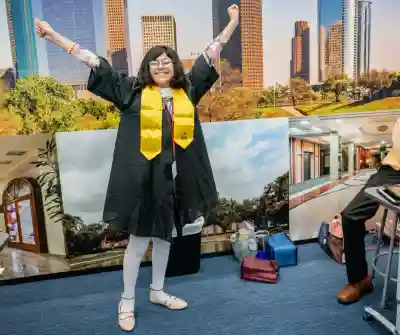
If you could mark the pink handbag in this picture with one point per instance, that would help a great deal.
(335, 239)
(335, 227)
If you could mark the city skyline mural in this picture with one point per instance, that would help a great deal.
(288, 60)
(316, 38)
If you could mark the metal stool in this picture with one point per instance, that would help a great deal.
(389, 253)
(369, 312)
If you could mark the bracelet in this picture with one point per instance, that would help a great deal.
(71, 48)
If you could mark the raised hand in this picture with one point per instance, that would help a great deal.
(233, 12)
(44, 30)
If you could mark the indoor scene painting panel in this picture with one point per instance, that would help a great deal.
(331, 158)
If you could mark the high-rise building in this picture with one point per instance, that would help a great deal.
(71, 18)
(334, 49)
(232, 51)
(11, 33)
(351, 19)
(300, 62)
(22, 35)
(75, 19)
(363, 38)
(158, 30)
(252, 43)
(116, 34)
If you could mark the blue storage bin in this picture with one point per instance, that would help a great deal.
(281, 249)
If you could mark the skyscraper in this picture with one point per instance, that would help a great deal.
(363, 38)
(22, 35)
(116, 34)
(11, 33)
(252, 43)
(71, 18)
(300, 62)
(232, 51)
(343, 37)
(158, 30)
(75, 19)
(334, 49)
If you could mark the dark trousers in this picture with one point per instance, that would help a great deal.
(359, 210)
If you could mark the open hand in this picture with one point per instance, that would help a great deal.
(44, 30)
(233, 12)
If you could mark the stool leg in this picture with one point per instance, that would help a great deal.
(389, 264)
(398, 289)
(380, 236)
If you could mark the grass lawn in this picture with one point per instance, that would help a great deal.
(349, 107)
(272, 112)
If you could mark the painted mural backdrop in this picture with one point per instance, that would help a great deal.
(251, 173)
(287, 59)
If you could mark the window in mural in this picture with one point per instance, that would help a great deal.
(18, 199)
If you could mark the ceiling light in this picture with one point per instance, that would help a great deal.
(295, 130)
(316, 129)
(304, 122)
(339, 121)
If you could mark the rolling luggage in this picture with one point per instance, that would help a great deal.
(281, 249)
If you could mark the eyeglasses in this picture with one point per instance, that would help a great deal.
(160, 63)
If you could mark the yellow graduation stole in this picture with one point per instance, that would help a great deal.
(151, 115)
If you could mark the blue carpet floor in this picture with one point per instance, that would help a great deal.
(302, 303)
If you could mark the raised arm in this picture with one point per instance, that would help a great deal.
(111, 85)
(213, 50)
(203, 74)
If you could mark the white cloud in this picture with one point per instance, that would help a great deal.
(235, 172)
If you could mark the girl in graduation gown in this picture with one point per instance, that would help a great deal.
(161, 175)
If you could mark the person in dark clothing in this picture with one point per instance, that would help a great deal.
(354, 216)
(161, 176)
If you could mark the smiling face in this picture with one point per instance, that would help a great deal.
(162, 70)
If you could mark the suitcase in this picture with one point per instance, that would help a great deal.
(281, 249)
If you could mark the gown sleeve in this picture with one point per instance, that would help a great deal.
(202, 77)
(111, 85)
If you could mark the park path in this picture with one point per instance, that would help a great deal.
(292, 110)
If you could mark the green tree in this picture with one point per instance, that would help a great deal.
(273, 203)
(10, 123)
(376, 80)
(395, 77)
(273, 96)
(43, 104)
(298, 88)
(231, 104)
(95, 107)
(337, 84)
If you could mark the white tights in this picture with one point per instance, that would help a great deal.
(134, 253)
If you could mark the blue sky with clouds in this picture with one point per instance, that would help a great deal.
(244, 155)
(194, 31)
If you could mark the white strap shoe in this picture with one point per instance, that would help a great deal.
(159, 297)
(126, 319)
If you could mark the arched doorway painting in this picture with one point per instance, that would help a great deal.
(23, 214)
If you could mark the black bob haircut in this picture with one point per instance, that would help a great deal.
(144, 77)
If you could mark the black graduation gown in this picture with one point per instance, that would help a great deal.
(142, 197)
